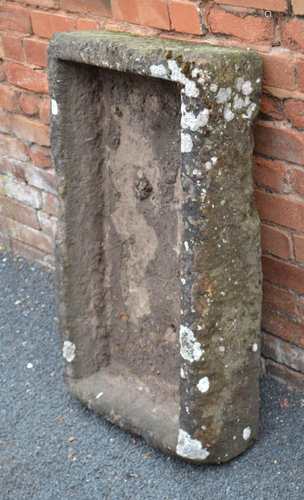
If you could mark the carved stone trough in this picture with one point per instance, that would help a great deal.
(158, 252)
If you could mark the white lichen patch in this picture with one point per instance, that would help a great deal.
(196, 73)
(240, 102)
(158, 71)
(190, 349)
(203, 385)
(190, 88)
(255, 347)
(239, 83)
(228, 113)
(223, 95)
(247, 88)
(213, 88)
(188, 447)
(69, 351)
(194, 122)
(186, 143)
(246, 433)
(54, 107)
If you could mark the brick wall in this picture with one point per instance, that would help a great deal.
(28, 202)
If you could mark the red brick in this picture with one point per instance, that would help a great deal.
(40, 156)
(28, 129)
(22, 192)
(46, 24)
(276, 242)
(28, 235)
(19, 212)
(13, 167)
(5, 122)
(50, 204)
(280, 142)
(8, 98)
(293, 33)
(249, 28)
(35, 52)
(283, 210)
(294, 379)
(283, 328)
(272, 174)
(299, 247)
(13, 148)
(48, 224)
(300, 311)
(273, 5)
(5, 243)
(273, 107)
(297, 180)
(283, 274)
(29, 104)
(298, 7)
(27, 78)
(300, 70)
(41, 179)
(279, 299)
(44, 110)
(185, 16)
(283, 352)
(32, 254)
(294, 111)
(12, 47)
(15, 18)
(152, 13)
(279, 70)
(123, 10)
(52, 4)
(87, 24)
(2, 72)
(93, 7)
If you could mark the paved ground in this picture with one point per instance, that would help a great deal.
(53, 448)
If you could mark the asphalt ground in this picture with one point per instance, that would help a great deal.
(51, 447)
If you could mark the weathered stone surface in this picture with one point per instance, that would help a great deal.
(158, 252)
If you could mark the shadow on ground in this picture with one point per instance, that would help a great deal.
(53, 448)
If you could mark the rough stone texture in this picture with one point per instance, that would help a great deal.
(152, 242)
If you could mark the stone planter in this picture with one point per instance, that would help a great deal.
(158, 251)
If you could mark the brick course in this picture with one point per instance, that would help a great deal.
(275, 28)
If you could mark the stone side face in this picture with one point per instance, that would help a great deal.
(196, 176)
(28, 196)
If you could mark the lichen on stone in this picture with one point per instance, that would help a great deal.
(188, 447)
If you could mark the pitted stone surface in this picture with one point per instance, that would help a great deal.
(158, 243)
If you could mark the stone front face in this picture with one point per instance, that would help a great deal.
(158, 250)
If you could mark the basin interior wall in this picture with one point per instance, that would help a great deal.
(129, 127)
